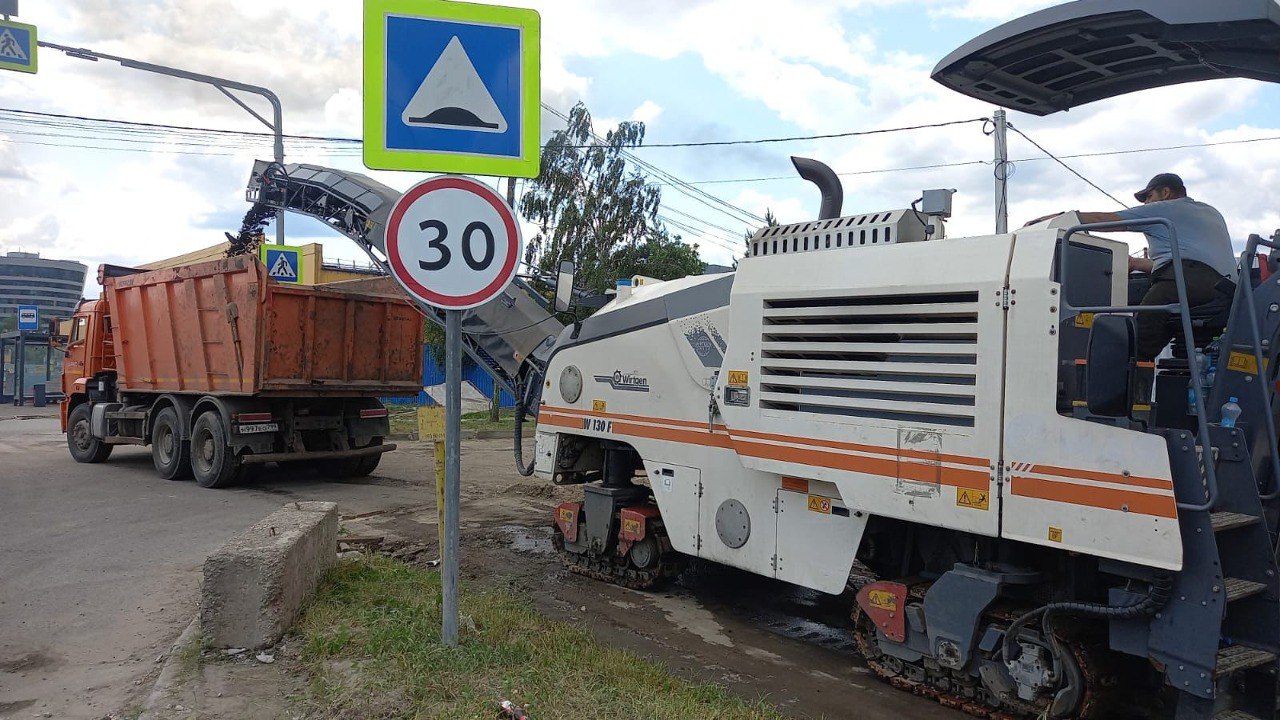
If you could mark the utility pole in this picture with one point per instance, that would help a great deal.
(1002, 172)
(222, 84)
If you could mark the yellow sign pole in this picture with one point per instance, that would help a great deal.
(431, 425)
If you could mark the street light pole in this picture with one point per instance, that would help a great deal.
(222, 84)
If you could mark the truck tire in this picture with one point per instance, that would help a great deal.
(83, 445)
(170, 455)
(356, 467)
(212, 461)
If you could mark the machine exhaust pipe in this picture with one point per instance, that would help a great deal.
(827, 181)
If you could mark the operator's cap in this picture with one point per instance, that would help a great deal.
(1163, 180)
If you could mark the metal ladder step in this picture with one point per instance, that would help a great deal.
(1235, 715)
(1240, 657)
(1238, 589)
(1224, 520)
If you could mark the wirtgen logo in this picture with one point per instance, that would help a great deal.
(625, 381)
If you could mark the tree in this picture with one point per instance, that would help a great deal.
(660, 256)
(592, 209)
(770, 220)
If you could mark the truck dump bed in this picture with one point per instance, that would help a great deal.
(224, 327)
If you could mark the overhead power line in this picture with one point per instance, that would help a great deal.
(161, 126)
(795, 138)
(737, 213)
(358, 141)
(1068, 167)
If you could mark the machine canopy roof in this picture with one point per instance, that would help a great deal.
(1089, 50)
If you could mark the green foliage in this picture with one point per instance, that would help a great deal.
(770, 220)
(658, 256)
(434, 339)
(591, 208)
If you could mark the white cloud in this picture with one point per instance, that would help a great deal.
(812, 64)
(648, 112)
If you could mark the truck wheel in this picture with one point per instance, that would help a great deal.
(169, 454)
(83, 445)
(212, 461)
(355, 467)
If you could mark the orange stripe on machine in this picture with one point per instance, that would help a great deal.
(1101, 476)
(884, 467)
(803, 451)
(1092, 496)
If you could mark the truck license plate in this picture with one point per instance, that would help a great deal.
(259, 428)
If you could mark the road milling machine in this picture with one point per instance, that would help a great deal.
(1048, 527)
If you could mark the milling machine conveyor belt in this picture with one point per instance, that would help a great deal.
(508, 336)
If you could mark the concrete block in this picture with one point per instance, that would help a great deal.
(256, 584)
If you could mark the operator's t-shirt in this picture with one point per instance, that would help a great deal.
(1202, 233)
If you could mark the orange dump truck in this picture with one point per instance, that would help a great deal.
(219, 368)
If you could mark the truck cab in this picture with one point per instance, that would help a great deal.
(89, 359)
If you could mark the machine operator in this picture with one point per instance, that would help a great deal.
(1204, 243)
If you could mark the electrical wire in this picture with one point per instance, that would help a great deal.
(700, 220)
(134, 123)
(160, 132)
(701, 196)
(358, 141)
(1068, 167)
(842, 174)
(794, 138)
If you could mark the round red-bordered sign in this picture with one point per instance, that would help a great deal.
(453, 242)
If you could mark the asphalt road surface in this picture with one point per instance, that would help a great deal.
(100, 564)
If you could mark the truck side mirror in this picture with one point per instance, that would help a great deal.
(564, 286)
(1108, 372)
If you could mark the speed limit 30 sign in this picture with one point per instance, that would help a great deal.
(453, 242)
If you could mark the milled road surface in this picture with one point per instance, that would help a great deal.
(101, 563)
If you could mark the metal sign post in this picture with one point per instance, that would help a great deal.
(452, 243)
(452, 473)
(28, 320)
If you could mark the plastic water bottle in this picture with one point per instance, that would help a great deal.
(1191, 385)
(1211, 365)
(1230, 413)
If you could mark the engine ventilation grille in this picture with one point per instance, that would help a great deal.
(882, 228)
(902, 358)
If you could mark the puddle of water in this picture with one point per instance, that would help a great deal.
(685, 613)
(528, 540)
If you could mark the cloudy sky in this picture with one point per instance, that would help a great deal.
(692, 70)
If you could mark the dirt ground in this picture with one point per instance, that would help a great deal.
(756, 636)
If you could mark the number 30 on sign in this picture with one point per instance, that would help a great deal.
(453, 242)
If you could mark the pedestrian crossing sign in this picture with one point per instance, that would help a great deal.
(284, 263)
(17, 46)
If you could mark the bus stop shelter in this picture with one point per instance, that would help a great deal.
(30, 368)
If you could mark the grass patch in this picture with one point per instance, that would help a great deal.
(370, 646)
(189, 657)
(480, 421)
(404, 421)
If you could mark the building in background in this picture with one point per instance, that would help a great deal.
(54, 286)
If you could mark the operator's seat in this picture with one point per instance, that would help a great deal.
(1208, 320)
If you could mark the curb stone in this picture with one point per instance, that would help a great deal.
(170, 675)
